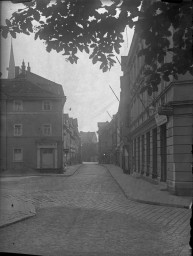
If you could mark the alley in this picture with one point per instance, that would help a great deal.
(88, 214)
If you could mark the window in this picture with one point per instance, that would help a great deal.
(46, 105)
(17, 105)
(17, 129)
(46, 129)
(17, 155)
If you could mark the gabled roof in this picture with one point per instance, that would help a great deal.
(24, 88)
(45, 84)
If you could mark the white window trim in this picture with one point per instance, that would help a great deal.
(17, 161)
(43, 125)
(15, 131)
(50, 103)
(14, 105)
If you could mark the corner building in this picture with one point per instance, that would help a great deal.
(160, 127)
(31, 123)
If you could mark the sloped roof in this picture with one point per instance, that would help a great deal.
(45, 84)
(25, 88)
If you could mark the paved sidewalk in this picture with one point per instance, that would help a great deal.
(12, 208)
(140, 190)
(70, 170)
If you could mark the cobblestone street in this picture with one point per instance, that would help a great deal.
(88, 214)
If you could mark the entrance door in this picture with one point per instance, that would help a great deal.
(138, 169)
(154, 153)
(163, 142)
(142, 154)
(47, 156)
(147, 153)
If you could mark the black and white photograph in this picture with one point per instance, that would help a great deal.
(96, 127)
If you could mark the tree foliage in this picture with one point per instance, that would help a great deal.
(70, 26)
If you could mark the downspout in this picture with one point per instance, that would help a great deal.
(6, 134)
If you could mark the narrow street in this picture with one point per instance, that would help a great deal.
(88, 214)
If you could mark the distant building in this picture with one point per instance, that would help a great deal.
(31, 121)
(71, 141)
(105, 143)
(89, 147)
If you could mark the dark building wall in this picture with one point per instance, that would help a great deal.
(89, 152)
(32, 118)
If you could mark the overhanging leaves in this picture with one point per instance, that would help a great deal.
(71, 26)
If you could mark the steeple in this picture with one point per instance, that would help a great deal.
(11, 68)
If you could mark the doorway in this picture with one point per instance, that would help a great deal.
(163, 145)
(154, 154)
(147, 153)
(47, 157)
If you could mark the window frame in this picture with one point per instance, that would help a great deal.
(46, 103)
(17, 161)
(14, 106)
(14, 130)
(43, 130)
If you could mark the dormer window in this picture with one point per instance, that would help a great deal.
(18, 105)
(46, 106)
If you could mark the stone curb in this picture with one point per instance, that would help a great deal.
(42, 175)
(32, 214)
(76, 169)
(145, 201)
(18, 220)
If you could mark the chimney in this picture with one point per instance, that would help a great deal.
(23, 67)
(17, 71)
(28, 68)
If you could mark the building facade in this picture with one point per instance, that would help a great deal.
(158, 129)
(89, 146)
(105, 146)
(71, 141)
(31, 122)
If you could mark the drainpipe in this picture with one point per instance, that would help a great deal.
(6, 134)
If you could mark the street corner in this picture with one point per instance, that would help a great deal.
(71, 169)
(14, 209)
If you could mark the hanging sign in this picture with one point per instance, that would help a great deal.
(160, 119)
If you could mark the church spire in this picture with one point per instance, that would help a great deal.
(11, 69)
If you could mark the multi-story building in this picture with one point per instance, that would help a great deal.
(89, 146)
(31, 122)
(71, 142)
(105, 146)
(158, 128)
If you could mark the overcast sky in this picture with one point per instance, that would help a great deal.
(85, 85)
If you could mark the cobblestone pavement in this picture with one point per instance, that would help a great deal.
(87, 214)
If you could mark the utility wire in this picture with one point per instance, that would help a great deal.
(114, 93)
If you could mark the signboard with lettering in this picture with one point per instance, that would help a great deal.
(160, 119)
(165, 110)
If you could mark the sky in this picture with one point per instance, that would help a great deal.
(86, 87)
